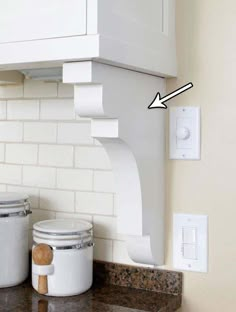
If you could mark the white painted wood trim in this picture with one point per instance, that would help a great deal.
(55, 52)
(48, 53)
(134, 138)
(92, 17)
(142, 59)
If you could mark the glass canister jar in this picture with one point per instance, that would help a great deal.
(71, 270)
(14, 225)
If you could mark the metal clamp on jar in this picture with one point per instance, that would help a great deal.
(14, 224)
(69, 270)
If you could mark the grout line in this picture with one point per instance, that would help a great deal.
(57, 189)
(69, 168)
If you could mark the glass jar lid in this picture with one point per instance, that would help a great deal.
(64, 233)
(63, 226)
(14, 204)
(12, 198)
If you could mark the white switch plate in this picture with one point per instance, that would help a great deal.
(184, 121)
(190, 242)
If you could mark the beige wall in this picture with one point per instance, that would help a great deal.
(206, 41)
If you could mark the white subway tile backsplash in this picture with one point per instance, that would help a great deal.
(94, 203)
(48, 153)
(105, 227)
(56, 155)
(10, 174)
(57, 109)
(2, 152)
(3, 110)
(63, 215)
(103, 249)
(11, 92)
(40, 132)
(23, 109)
(21, 153)
(74, 133)
(65, 90)
(11, 131)
(57, 200)
(104, 181)
(33, 193)
(39, 89)
(73, 179)
(91, 157)
(39, 176)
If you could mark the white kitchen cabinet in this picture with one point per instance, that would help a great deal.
(32, 20)
(134, 34)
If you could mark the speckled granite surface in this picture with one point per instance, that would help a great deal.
(169, 282)
(104, 297)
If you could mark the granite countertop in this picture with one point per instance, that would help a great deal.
(111, 292)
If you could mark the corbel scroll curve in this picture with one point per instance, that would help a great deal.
(117, 99)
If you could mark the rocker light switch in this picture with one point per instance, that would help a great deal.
(189, 235)
(190, 251)
(184, 133)
(190, 242)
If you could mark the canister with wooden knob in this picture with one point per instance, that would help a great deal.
(71, 240)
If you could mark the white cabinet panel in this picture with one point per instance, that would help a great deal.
(37, 19)
(134, 34)
(138, 32)
(132, 21)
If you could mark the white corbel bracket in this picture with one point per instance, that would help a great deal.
(134, 137)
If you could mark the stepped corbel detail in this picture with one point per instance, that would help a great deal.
(116, 100)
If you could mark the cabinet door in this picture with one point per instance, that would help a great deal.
(22, 20)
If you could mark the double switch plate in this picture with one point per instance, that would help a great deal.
(190, 242)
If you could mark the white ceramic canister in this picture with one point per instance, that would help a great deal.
(14, 225)
(71, 271)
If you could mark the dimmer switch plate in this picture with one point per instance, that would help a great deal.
(190, 242)
(184, 142)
